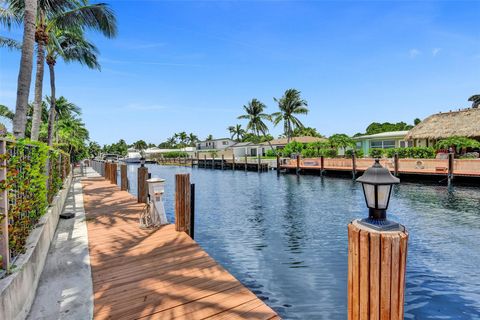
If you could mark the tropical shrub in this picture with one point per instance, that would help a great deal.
(270, 153)
(175, 154)
(376, 153)
(358, 153)
(457, 142)
(329, 153)
(412, 152)
(26, 183)
(292, 147)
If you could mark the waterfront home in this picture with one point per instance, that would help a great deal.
(157, 152)
(215, 144)
(384, 140)
(463, 122)
(254, 149)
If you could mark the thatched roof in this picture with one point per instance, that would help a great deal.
(464, 123)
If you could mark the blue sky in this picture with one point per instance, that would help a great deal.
(191, 65)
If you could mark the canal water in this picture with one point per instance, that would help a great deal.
(285, 238)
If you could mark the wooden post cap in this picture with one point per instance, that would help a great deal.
(376, 272)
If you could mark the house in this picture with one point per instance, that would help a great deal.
(215, 144)
(463, 123)
(384, 140)
(251, 149)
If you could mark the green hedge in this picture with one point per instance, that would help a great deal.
(358, 153)
(412, 152)
(175, 154)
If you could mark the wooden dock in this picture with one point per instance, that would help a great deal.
(155, 274)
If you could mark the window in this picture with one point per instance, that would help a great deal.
(359, 144)
(382, 144)
(225, 143)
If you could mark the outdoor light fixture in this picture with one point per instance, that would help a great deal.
(377, 183)
(142, 162)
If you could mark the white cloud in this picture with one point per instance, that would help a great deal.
(413, 53)
(436, 51)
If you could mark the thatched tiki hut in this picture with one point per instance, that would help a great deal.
(464, 123)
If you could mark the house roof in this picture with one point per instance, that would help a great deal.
(389, 134)
(464, 123)
(214, 140)
(241, 144)
(284, 141)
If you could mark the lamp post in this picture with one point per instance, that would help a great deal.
(142, 162)
(377, 183)
(377, 253)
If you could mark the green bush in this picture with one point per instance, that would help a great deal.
(376, 153)
(270, 153)
(457, 142)
(358, 153)
(175, 154)
(292, 147)
(329, 153)
(412, 152)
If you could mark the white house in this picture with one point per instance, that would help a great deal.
(215, 144)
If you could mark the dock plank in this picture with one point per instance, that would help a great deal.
(155, 274)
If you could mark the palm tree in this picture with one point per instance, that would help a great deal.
(236, 131)
(290, 104)
(183, 138)
(26, 65)
(63, 14)
(70, 45)
(6, 113)
(8, 18)
(192, 139)
(254, 113)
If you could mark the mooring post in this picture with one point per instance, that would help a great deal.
(4, 248)
(246, 162)
(223, 159)
(114, 173)
(233, 161)
(451, 161)
(192, 210)
(395, 164)
(204, 161)
(354, 165)
(322, 164)
(123, 177)
(182, 202)
(213, 161)
(142, 188)
(376, 272)
(278, 164)
(259, 162)
(298, 164)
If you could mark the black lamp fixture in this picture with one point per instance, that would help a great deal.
(377, 183)
(142, 162)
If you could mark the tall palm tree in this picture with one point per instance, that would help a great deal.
(254, 113)
(290, 105)
(63, 14)
(183, 138)
(192, 139)
(26, 66)
(236, 132)
(8, 18)
(70, 45)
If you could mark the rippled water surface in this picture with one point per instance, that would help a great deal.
(285, 238)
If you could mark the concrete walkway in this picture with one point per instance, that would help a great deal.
(65, 288)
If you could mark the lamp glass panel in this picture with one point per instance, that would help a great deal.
(383, 195)
(369, 190)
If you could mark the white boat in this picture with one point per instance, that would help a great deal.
(133, 157)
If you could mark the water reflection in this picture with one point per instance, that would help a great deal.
(285, 238)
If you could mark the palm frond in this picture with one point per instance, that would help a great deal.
(10, 43)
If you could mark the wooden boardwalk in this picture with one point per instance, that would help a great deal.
(162, 274)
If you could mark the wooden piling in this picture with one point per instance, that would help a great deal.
(278, 164)
(204, 161)
(182, 202)
(114, 174)
(223, 160)
(233, 162)
(354, 165)
(142, 188)
(4, 249)
(246, 166)
(322, 164)
(376, 273)
(213, 161)
(259, 162)
(395, 164)
(123, 177)
(298, 164)
(451, 161)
